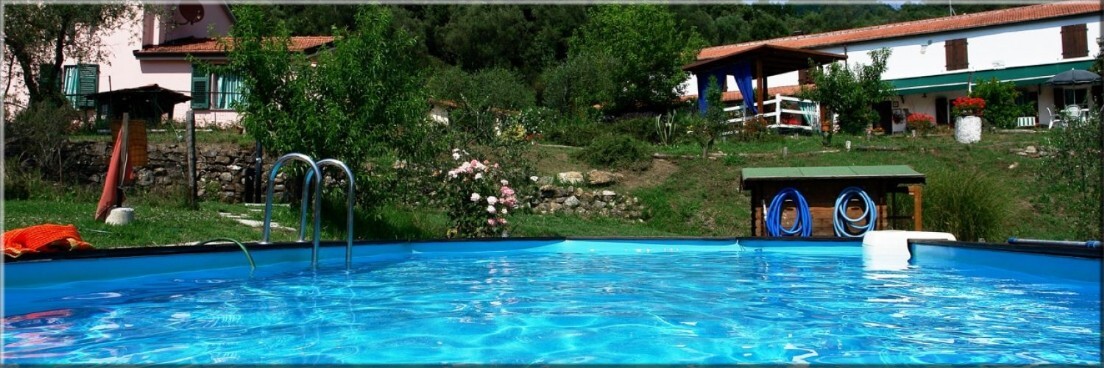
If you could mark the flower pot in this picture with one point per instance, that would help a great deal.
(967, 129)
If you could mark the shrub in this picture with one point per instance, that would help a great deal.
(617, 152)
(1073, 172)
(477, 198)
(999, 104)
(755, 130)
(35, 136)
(965, 203)
(706, 129)
(639, 126)
(572, 131)
(920, 123)
(667, 128)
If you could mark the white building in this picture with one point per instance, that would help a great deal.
(154, 49)
(936, 60)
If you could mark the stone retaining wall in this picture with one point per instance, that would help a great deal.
(221, 169)
(577, 201)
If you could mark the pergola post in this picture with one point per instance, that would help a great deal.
(761, 85)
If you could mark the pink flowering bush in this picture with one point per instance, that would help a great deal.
(478, 198)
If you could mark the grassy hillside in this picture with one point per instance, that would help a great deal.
(686, 195)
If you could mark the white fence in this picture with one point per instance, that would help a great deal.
(778, 112)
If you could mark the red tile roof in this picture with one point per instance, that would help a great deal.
(935, 25)
(736, 96)
(211, 46)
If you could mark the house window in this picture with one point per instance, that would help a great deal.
(80, 81)
(217, 91)
(956, 54)
(1075, 41)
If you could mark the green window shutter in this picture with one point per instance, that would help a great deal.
(88, 83)
(201, 88)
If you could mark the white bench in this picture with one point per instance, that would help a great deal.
(1025, 122)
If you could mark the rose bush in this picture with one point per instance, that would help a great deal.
(477, 197)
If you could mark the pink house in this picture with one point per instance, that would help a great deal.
(153, 50)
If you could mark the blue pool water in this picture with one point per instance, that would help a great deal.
(572, 302)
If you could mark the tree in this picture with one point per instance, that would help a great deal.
(651, 46)
(851, 91)
(576, 85)
(482, 98)
(359, 101)
(41, 37)
(708, 127)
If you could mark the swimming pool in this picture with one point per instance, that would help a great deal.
(554, 301)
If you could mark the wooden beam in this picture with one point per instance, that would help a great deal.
(917, 191)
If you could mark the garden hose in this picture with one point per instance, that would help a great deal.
(844, 224)
(802, 225)
(252, 266)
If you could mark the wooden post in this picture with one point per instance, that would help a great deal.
(190, 142)
(917, 191)
(761, 84)
(754, 198)
(125, 151)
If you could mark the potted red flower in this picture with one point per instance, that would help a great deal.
(968, 106)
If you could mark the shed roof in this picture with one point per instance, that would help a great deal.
(775, 59)
(901, 173)
(147, 91)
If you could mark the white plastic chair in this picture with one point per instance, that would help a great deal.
(1054, 119)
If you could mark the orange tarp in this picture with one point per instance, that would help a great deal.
(48, 238)
(111, 195)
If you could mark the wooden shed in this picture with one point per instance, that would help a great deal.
(820, 186)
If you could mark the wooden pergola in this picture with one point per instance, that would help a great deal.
(765, 60)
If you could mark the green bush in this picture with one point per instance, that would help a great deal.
(638, 126)
(965, 203)
(572, 131)
(1001, 109)
(36, 135)
(621, 152)
(1073, 171)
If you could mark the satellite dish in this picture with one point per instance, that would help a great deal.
(192, 13)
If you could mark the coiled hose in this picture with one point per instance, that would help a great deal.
(846, 226)
(802, 225)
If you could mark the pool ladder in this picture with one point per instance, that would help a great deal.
(313, 176)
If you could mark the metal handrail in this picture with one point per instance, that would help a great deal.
(350, 196)
(317, 201)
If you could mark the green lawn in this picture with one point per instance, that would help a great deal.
(685, 196)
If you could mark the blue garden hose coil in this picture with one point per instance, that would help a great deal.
(845, 226)
(802, 225)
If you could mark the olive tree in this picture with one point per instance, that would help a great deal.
(39, 37)
(851, 91)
